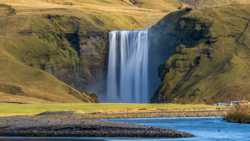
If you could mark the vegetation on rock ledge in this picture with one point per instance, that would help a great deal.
(211, 61)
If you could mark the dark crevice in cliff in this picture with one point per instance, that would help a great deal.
(240, 38)
(192, 31)
(11, 89)
(74, 41)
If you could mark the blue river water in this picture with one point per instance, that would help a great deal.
(205, 129)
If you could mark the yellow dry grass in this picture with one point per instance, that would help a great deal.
(7, 109)
(148, 12)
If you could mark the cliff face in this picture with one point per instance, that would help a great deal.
(66, 39)
(58, 45)
(210, 62)
(93, 58)
(79, 56)
(203, 53)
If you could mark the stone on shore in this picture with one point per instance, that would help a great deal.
(63, 124)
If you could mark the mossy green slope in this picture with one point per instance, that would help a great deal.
(19, 80)
(211, 62)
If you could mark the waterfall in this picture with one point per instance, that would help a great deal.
(127, 78)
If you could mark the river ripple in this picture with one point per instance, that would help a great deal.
(205, 129)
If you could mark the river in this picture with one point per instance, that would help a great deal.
(205, 129)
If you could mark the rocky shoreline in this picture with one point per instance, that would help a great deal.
(45, 139)
(67, 124)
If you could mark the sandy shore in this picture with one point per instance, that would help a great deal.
(69, 124)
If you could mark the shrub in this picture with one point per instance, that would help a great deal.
(68, 3)
(7, 9)
(240, 114)
(94, 97)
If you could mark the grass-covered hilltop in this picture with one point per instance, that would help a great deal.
(56, 50)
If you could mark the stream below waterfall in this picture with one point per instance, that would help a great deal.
(205, 129)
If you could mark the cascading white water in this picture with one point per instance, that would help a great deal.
(127, 79)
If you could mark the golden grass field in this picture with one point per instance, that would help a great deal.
(10, 109)
(116, 13)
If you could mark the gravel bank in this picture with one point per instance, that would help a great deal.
(67, 124)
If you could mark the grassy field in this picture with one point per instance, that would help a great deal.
(7, 109)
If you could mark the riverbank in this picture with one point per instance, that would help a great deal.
(70, 124)
(115, 110)
(45, 139)
(204, 129)
(86, 120)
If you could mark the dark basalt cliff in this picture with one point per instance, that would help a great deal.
(84, 65)
(78, 57)
(210, 60)
(57, 44)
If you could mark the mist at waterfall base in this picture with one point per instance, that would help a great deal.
(128, 68)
